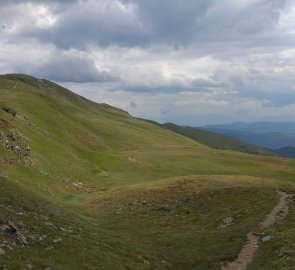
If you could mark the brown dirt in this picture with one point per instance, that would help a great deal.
(248, 251)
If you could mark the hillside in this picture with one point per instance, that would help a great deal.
(213, 140)
(83, 178)
(288, 151)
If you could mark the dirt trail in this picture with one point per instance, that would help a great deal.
(247, 253)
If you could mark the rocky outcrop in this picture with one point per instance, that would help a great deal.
(4, 123)
(10, 111)
(18, 237)
(16, 145)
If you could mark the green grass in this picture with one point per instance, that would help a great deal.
(181, 217)
(88, 160)
(83, 246)
(213, 140)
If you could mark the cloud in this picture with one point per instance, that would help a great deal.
(187, 108)
(171, 21)
(144, 23)
(71, 67)
(15, 2)
(106, 23)
(166, 60)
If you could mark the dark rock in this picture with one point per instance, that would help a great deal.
(4, 123)
(10, 111)
(187, 200)
(162, 209)
(12, 230)
(28, 150)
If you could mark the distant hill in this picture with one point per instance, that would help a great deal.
(213, 140)
(262, 134)
(288, 151)
(270, 140)
(253, 128)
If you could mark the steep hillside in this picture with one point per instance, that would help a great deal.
(213, 140)
(84, 178)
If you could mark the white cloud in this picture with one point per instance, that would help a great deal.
(186, 108)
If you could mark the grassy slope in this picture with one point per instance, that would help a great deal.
(212, 139)
(41, 223)
(181, 217)
(119, 160)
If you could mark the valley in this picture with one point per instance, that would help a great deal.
(88, 186)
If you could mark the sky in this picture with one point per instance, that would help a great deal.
(191, 62)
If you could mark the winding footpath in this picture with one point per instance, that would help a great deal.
(247, 253)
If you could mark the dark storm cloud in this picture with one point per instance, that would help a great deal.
(13, 2)
(143, 23)
(80, 24)
(62, 67)
(171, 21)
(107, 23)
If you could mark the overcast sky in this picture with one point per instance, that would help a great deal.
(186, 61)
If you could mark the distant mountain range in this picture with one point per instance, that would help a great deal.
(288, 151)
(254, 128)
(278, 137)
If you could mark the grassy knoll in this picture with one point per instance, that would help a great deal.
(185, 219)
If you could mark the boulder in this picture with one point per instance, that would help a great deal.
(266, 239)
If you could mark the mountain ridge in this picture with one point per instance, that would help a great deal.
(268, 135)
